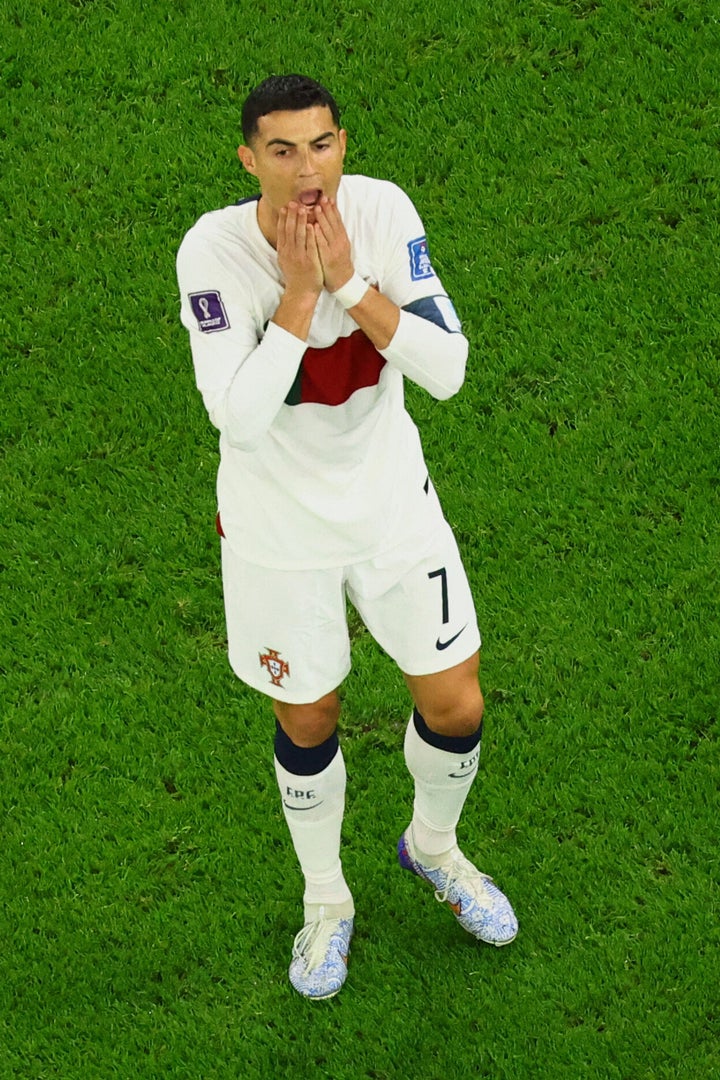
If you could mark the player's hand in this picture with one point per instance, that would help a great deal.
(333, 245)
(297, 251)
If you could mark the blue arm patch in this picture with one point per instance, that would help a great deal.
(420, 265)
(438, 310)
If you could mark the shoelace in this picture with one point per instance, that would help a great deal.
(311, 943)
(462, 871)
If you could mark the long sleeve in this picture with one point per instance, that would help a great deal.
(429, 354)
(244, 364)
(247, 408)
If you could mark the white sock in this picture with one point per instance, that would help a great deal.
(443, 779)
(313, 807)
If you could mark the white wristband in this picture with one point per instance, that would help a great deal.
(352, 292)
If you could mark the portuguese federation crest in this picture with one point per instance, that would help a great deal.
(277, 667)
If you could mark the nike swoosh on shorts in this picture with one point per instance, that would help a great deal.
(446, 644)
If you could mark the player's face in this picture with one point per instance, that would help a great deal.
(297, 157)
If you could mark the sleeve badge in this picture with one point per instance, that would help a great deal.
(209, 311)
(420, 265)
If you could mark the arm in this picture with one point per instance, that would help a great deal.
(244, 382)
(422, 343)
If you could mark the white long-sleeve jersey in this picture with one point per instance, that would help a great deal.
(320, 463)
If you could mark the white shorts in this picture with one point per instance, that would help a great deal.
(287, 629)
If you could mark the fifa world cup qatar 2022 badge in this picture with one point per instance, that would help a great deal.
(209, 310)
(277, 667)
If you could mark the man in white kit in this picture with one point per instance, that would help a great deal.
(306, 306)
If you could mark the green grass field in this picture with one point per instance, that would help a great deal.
(564, 157)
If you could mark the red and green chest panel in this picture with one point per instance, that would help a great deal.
(330, 376)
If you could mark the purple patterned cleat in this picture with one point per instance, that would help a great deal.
(320, 954)
(478, 904)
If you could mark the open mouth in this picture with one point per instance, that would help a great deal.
(311, 197)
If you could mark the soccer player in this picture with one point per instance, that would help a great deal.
(306, 306)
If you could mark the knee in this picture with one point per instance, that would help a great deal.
(451, 702)
(459, 716)
(311, 724)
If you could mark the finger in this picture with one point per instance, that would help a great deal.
(321, 243)
(289, 216)
(333, 230)
(300, 222)
(296, 224)
(332, 213)
(323, 229)
(324, 214)
(282, 226)
(313, 251)
(311, 241)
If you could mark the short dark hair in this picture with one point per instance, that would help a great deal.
(280, 92)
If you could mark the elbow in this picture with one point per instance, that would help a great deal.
(245, 445)
(238, 432)
(450, 386)
(444, 393)
(453, 373)
(244, 436)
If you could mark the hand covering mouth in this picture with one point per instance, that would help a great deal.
(310, 197)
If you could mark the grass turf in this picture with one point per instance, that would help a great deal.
(564, 159)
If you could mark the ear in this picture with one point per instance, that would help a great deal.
(342, 136)
(248, 159)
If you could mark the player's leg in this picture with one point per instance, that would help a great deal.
(311, 776)
(426, 621)
(302, 616)
(442, 751)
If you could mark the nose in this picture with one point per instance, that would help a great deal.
(306, 164)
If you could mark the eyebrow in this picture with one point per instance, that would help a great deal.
(286, 142)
